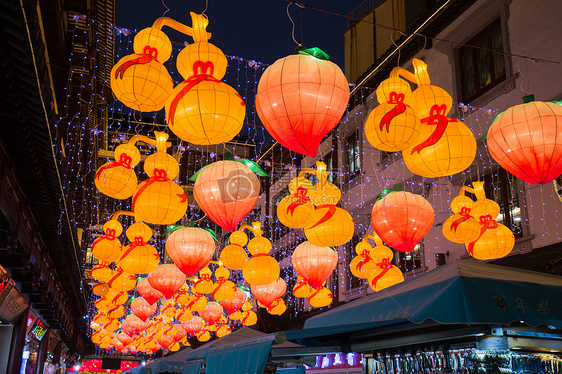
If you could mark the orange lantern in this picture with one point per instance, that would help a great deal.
(167, 278)
(100, 289)
(142, 309)
(226, 191)
(159, 200)
(138, 257)
(495, 240)
(249, 318)
(302, 288)
(261, 269)
(301, 98)
(270, 296)
(445, 146)
(106, 248)
(223, 288)
(193, 325)
(117, 179)
(133, 325)
(384, 273)
(212, 313)
(393, 125)
(401, 219)
(233, 305)
(363, 264)
(297, 209)
(204, 285)
(203, 109)
(233, 256)
(124, 338)
(190, 248)
(524, 141)
(149, 293)
(121, 280)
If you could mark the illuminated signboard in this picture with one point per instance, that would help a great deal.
(12, 303)
(38, 330)
(6, 285)
(350, 360)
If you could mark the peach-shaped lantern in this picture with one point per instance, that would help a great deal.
(270, 295)
(193, 325)
(234, 304)
(212, 313)
(315, 264)
(393, 125)
(117, 179)
(107, 247)
(524, 141)
(133, 325)
(401, 219)
(138, 257)
(226, 191)
(167, 278)
(301, 98)
(140, 81)
(190, 248)
(159, 200)
(150, 294)
(142, 309)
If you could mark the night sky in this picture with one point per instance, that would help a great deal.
(252, 29)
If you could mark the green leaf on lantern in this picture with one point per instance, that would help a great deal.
(559, 102)
(173, 228)
(254, 166)
(194, 176)
(386, 191)
(213, 234)
(315, 52)
(333, 249)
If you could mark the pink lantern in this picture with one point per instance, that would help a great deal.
(142, 309)
(133, 325)
(226, 191)
(191, 249)
(401, 219)
(150, 294)
(315, 264)
(193, 325)
(167, 278)
(212, 313)
(269, 294)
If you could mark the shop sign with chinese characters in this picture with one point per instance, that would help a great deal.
(337, 361)
(12, 303)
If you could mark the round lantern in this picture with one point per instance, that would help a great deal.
(300, 99)
(140, 81)
(393, 125)
(107, 247)
(315, 264)
(142, 309)
(138, 257)
(495, 241)
(461, 228)
(167, 278)
(117, 179)
(159, 200)
(100, 289)
(233, 257)
(150, 294)
(333, 227)
(524, 141)
(401, 219)
(226, 191)
(212, 313)
(270, 295)
(190, 248)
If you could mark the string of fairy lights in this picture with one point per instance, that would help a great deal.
(78, 134)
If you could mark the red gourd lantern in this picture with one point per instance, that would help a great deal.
(138, 257)
(167, 278)
(301, 98)
(117, 179)
(212, 313)
(142, 309)
(107, 247)
(226, 191)
(270, 296)
(401, 219)
(150, 294)
(190, 249)
(524, 141)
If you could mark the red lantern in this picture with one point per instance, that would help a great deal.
(301, 98)
(270, 294)
(212, 313)
(226, 191)
(191, 249)
(193, 325)
(142, 309)
(525, 141)
(167, 278)
(315, 264)
(402, 219)
(150, 294)
(133, 325)
(233, 305)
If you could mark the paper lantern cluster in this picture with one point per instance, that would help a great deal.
(433, 145)
(474, 224)
(375, 265)
(313, 207)
(301, 98)
(202, 109)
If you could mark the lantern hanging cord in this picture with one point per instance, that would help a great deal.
(167, 9)
(293, 23)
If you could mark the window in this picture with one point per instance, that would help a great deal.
(354, 154)
(481, 68)
(331, 161)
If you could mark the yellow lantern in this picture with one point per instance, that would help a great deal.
(362, 265)
(117, 179)
(101, 272)
(333, 227)
(261, 269)
(100, 289)
(393, 125)
(139, 257)
(297, 210)
(249, 318)
(203, 109)
(223, 288)
(122, 281)
(159, 200)
(204, 285)
(302, 289)
(495, 240)
(107, 247)
(320, 297)
(384, 274)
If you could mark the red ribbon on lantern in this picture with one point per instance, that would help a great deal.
(398, 99)
(487, 222)
(329, 214)
(366, 258)
(160, 175)
(301, 199)
(385, 266)
(465, 213)
(148, 55)
(436, 118)
(124, 160)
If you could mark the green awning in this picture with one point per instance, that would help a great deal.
(241, 358)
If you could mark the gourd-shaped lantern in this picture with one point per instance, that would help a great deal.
(302, 289)
(167, 278)
(332, 226)
(223, 288)
(203, 109)
(138, 257)
(159, 200)
(315, 264)
(212, 313)
(142, 309)
(227, 190)
(261, 268)
(117, 179)
(100, 289)
(233, 256)
(393, 125)
(401, 219)
(190, 248)
(301, 98)
(107, 247)
(149, 293)
(297, 210)
(122, 281)
(270, 296)
(524, 141)
(204, 285)
(234, 304)
(384, 274)
(363, 264)
(445, 145)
